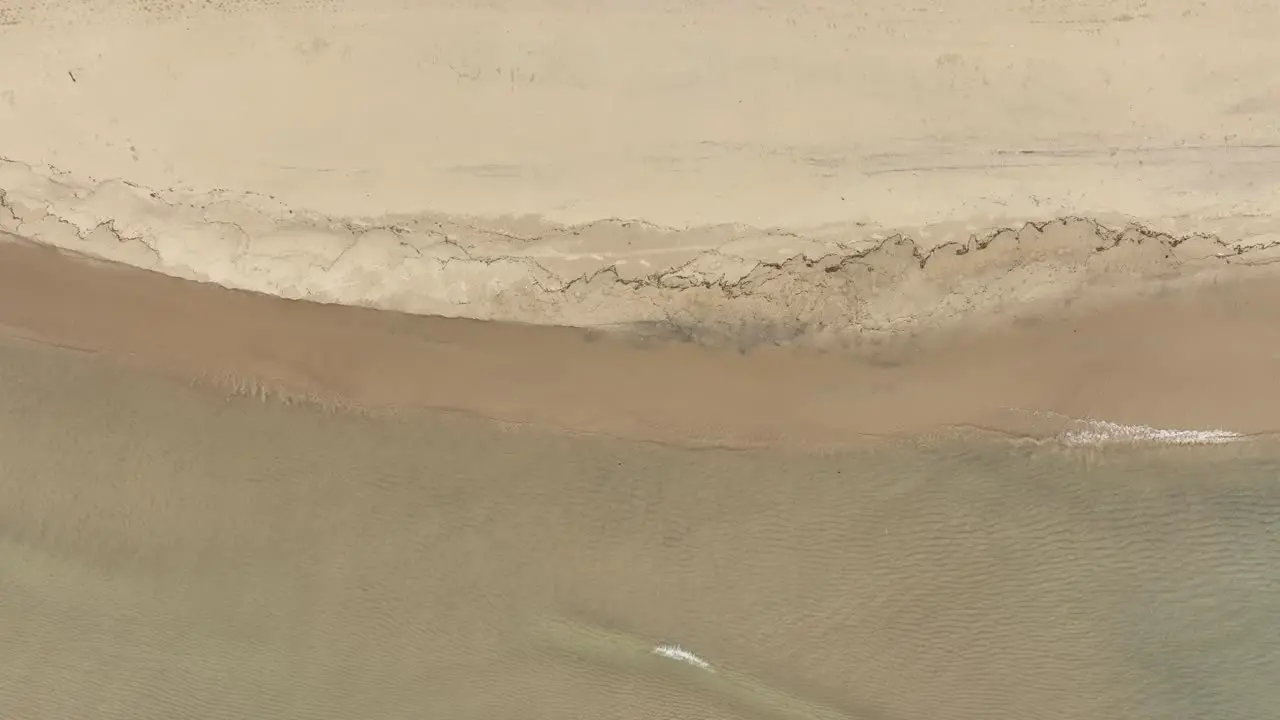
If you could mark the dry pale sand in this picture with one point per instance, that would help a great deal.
(670, 360)
(712, 164)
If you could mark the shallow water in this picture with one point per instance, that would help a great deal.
(167, 552)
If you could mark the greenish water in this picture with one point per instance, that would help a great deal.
(169, 553)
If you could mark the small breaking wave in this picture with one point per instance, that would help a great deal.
(1090, 432)
(1101, 432)
(675, 652)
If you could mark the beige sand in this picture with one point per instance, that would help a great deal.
(764, 113)
(745, 257)
(692, 164)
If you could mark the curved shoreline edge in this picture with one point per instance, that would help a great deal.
(724, 284)
(1202, 357)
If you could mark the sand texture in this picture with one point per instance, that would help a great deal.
(802, 170)
(715, 283)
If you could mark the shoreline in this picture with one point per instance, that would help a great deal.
(1198, 358)
(832, 287)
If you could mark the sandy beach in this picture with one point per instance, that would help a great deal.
(718, 360)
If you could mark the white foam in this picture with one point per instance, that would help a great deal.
(675, 652)
(1088, 431)
(1100, 432)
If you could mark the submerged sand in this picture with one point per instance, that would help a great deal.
(169, 551)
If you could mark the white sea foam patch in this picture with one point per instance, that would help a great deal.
(1101, 432)
(675, 652)
(1088, 431)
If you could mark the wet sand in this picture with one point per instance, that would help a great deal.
(1204, 358)
(752, 335)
